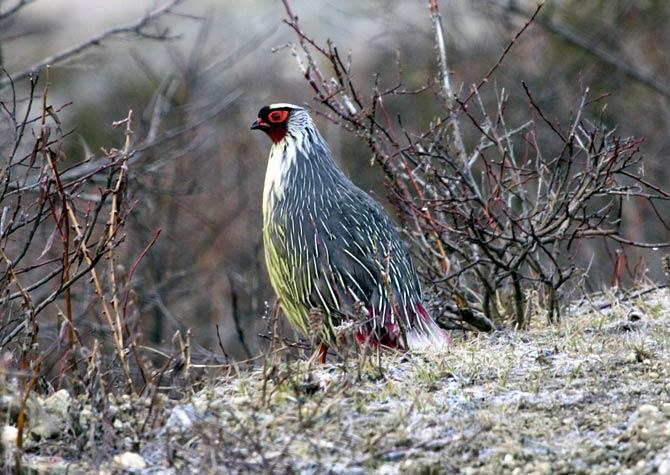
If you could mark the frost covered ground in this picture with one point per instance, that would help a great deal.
(590, 395)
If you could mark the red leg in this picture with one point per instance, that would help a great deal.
(323, 351)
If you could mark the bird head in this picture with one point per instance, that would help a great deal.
(277, 120)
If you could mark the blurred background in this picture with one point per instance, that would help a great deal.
(196, 77)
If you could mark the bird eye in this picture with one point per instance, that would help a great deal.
(278, 116)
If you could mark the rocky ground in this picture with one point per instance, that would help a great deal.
(590, 395)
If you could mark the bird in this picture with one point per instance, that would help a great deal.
(330, 249)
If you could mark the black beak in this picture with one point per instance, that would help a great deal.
(257, 124)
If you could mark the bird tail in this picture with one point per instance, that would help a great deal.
(425, 334)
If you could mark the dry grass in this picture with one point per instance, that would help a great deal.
(588, 395)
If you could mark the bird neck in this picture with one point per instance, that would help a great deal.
(300, 169)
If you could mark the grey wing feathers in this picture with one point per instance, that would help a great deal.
(361, 251)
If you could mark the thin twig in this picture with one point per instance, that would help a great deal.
(136, 27)
(591, 47)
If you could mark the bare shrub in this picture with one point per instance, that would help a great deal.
(71, 312)
(503, 222)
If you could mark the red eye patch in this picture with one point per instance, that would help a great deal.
(277, 117)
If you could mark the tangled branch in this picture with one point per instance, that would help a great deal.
(498, 228)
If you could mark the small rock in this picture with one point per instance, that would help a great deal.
(58, 403)
(646, 410)
(129, 461)
(580, 466)
(8, 436)
(508, 460)
(542, 468)
(183, 417)
(50, 415)
(664, 467)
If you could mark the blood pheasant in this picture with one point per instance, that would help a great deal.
(330, 248)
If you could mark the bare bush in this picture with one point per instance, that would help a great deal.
(70, 251)
(500, 224)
